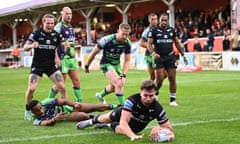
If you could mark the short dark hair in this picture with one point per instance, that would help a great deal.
(32, 104)
(148, 85)
(152, 14)
(163, 14)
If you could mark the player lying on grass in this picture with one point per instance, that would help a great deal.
(50, 111)
(130, 119)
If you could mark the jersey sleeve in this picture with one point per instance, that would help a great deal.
(58, 27)
(128, 47)
(145, 34)
(161, 115)
(129, 104)
(103, 42)
(151, 33)
(37, 122)
(32, 37)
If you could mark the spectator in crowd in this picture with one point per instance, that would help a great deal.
(236, 40)
(16, 56)
(197, 46)
(210, 40)
(226, 41)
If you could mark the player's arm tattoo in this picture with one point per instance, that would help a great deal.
(58, 77)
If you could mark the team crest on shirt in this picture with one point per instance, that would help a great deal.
(48, 42)
(141, 116)
(54, 39)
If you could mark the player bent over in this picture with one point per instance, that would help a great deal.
(138, 111)
(113, 46)
(50, 110)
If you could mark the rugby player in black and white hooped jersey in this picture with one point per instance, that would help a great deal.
(163, 37)
(44, 42)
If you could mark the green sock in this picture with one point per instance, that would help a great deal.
(78, 93)
(103, 92)
(120, 98)
(52, 93)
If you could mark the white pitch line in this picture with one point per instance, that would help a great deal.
(105, 131)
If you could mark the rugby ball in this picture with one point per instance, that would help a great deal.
(165, 135)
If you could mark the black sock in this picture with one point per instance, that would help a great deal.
(95, 119)
(172, 99)
(27, 107)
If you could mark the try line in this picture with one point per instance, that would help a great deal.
(105, 131)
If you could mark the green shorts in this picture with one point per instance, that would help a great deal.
(107, 67)
(149, 59)
(67, 109)
(68, 64)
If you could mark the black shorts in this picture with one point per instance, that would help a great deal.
(40, 70)
(166, 61)
(115, 117)
(116, 114)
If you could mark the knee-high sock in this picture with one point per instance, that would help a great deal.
(120, 98)
(52, 93)
(78, 93)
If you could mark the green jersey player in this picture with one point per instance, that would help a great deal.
(113, 46)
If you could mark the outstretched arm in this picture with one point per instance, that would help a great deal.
(123, 127)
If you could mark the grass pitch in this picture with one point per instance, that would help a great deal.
(208, 111)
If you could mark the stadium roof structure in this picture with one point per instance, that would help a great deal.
(32, 7)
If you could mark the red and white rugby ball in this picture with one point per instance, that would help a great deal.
(165, 135)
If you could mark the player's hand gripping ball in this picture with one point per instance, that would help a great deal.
(161, 135)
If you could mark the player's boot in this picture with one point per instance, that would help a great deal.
(84, 124)
(100, 98)
(173, 103)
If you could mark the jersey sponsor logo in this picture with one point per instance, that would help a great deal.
(128, 104)
(151, 110)
(48, 41)
(164, 41)
(168, 30)
(139, 119)
(49, 47)
(53, 34)
(41, 39)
